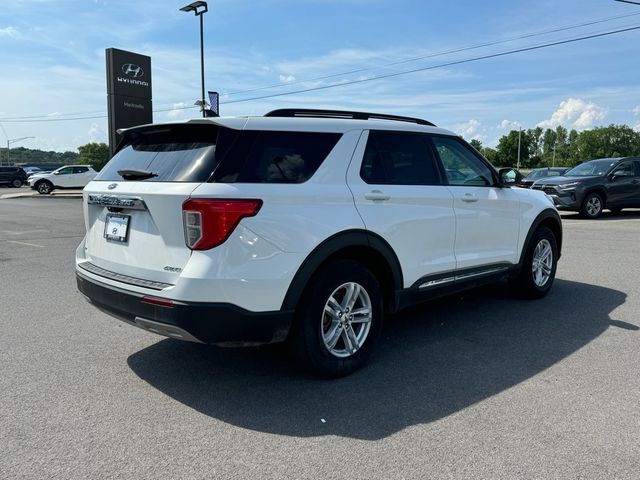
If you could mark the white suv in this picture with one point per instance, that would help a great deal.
(303, 225)
(69, 176)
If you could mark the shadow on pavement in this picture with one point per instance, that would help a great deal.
(431, 362)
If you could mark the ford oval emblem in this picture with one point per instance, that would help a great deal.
(112, 186)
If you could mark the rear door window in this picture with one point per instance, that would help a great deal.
(273, 156)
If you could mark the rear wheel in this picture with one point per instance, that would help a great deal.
(539, 265)
(338, 320)
(592, 205)
(44, 187)
(16, 183)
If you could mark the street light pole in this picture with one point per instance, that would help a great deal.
(199, 8)
(13, 140)
(519, 141)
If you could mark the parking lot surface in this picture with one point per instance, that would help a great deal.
(479, 385)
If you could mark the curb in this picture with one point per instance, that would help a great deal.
(54, 194)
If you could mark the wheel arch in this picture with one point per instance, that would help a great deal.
(365, 247)
(550, 218)
(600, 191)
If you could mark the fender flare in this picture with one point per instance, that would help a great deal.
(331, 247)
(546, 215)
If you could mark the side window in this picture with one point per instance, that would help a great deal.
(274, 157)
(637, 164)
(65, 171)
(80, 169)
(461, 164)
(396, 158)
(624, 169)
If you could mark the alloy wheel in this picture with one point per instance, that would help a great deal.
(346, 320)
(542, 262)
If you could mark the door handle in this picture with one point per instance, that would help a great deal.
(376, 195)
(469, 198)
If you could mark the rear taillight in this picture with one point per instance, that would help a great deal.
(208, 222)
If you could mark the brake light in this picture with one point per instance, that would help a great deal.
(208, 222)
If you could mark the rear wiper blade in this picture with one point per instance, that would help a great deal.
(136, 174)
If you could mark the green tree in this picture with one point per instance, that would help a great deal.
(507, 149)
(94, 154)
(603, 142)
(477, 144)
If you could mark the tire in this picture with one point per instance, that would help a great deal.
(539, 265)
(327, 339)
(44, 187)
(16, 183)
(592, 206)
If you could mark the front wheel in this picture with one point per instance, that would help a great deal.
(44, 187)
(592, 206)
(339, 320)
(16, 183)
(539, 265)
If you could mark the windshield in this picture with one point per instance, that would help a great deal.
(590, 168)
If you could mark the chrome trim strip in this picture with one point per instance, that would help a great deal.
(465, 276)
(138, 282)
(439, 281)
(118, 201)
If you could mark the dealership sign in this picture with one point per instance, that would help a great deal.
(128, 92)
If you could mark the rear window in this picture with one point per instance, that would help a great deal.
(192, 153)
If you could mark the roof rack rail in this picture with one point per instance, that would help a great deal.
(315, 113)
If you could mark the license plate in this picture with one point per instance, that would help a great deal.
(116, 228)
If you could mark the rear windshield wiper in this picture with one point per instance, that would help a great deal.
(136, 174)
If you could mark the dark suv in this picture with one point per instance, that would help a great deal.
(611, 183)
(12, 176)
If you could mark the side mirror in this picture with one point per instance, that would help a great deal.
(56, 173)
(509, 176)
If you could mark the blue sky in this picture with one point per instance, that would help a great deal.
(52, 59)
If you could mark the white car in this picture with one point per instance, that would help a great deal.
(303, 225)
(69, 176)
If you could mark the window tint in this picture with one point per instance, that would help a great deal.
(461, 164)
(392, 158)
(175, 153)
(624, 169)
(65, 171)
(80, 169)
(273, 157)
(637, 164)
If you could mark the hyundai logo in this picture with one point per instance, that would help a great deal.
(112, 186)
(132, 70)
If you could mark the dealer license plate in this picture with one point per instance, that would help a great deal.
(116, 228)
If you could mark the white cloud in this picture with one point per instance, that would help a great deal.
(637, 128)
(469, 130)
(636, 111)
(287, 78)
(178, 110)
(575, 113)
(97, 133)
(509, 125)
(11, 32)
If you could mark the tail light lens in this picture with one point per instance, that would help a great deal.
(208, 222)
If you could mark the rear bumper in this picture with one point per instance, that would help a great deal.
(213, 323)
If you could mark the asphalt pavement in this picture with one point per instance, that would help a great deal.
(479, 385)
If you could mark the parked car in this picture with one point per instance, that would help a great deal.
(12, 176)
(305, 226)
(69, 176)
(589, 188)
(32, 170)
(539, 173)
